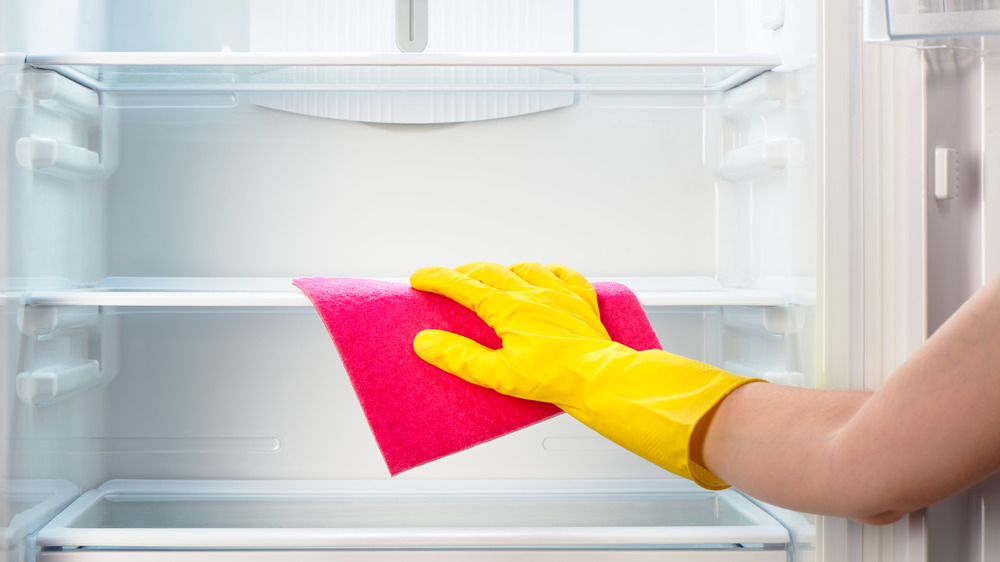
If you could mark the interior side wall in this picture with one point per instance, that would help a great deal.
(7, 307)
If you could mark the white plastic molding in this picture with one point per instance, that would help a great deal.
(57, 93)
(57, 158)
(779, 321)
(756, 160)
(946, 173)
(43, 321)
(787, 378)
(41, 500)
(768, 87)
(47, 385)
(42, 384)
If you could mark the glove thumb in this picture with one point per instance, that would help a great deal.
(456, 354)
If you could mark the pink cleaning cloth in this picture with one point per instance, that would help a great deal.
(417, 412)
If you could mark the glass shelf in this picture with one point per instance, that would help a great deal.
(402, 514)
(279, 292)
(124, 72)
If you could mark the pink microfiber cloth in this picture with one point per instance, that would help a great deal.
(417, 412)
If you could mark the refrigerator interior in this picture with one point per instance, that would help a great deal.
(169, 167)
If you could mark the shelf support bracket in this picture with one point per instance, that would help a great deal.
(52, 376)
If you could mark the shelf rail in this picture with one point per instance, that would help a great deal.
(272, 292)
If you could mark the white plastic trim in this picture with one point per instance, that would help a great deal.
(46, 499)
(57, 158)
(40, 321)
(787, 378)
(759, 159)
(49, 385)
(769, 87)
(42, 86)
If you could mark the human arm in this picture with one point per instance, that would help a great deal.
(932, 430)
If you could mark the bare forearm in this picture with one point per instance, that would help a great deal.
(932, 430)
(777, 444)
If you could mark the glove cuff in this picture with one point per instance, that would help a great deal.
(697, 471)
(654, 405)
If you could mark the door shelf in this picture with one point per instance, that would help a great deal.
(904, 20)
(150, 72)
(279, 292)
(403, 514)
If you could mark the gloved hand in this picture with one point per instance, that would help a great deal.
(556, 350)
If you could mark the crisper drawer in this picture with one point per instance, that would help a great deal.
(412, 520)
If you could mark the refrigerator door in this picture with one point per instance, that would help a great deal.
(935, 100)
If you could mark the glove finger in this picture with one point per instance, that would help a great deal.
(456, 286)
(493, 275)
(569, 275)
(578, 301)
(538, 275)
(460, 356)
(547, 277)
(577, 283)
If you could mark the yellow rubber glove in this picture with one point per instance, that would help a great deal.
(556, 350)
